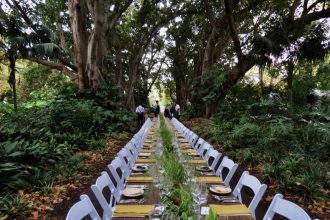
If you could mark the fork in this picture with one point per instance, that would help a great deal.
(132, 201)
(225, 198)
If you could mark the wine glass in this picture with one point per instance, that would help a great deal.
(202, 198)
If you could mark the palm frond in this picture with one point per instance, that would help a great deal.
(46, 49)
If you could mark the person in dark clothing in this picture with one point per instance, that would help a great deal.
(157, 109)
(167, 112)
(140, 114)
(172, 111)
(311, 100)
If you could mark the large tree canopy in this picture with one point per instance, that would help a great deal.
(128, 44)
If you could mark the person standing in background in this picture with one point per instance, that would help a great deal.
(172, 111)
(157, 109)
(167, 112)
(177, 111)
(140, 114)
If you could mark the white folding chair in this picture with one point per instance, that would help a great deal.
(203, 149)
(107, 204)
(117, 169)
(285, 208)
(212, 157)
(228, 164)
(127, 158)
(82, 209)
(254, 184)
(199, 143)
(133, 149)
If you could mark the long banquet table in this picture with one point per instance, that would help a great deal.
(152, 194)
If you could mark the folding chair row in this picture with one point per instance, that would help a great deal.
(112, 181)
(278, 206)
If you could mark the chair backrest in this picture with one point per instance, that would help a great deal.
(133, 149)
(192, 137)
(285, 208)
(254, 184)
(212, 157)
(230, 165)
(103, 182)
(199, 143)
(203, 149)
(82, 209)
(117, 169)
(127, 159)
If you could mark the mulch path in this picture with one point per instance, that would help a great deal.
(65, 194)
(313, 208)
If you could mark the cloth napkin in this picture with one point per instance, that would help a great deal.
(139, 179)
(209, 179)
(183, 141)
(230, 209)
(185, 145)
(179, 135)
(145, 161)
(200, 161)
(190, 151)
(147, 151)
(133, 210)
(149, 144)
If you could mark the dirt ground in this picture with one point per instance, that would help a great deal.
(64, 194)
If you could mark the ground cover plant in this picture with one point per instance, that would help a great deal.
(37, 144)
(288, 151)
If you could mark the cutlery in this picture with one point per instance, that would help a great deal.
(136, 173)
(230, 201)
(225, 199)
(123, 201)
(206, 173)
(137, 186)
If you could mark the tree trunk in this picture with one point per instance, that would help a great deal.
(290, 68)
(261, 83)
(211, 108)
(208, 54)
(78, 13)
(96, 48)
(60, 32)
(130, 104)
(12, 78)
(234, 75)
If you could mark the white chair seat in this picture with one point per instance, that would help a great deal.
(285, 208)
(82, 209)
(254, 184)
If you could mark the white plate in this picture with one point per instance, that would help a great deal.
(219, 189)
(204, 168)
(144, 154)
(140, 168)
(132, 192)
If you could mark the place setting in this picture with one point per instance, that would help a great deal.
(193, 154)
(139, 169)
(132, 195)
(144, 155)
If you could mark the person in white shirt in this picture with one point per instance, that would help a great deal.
(140, 114)
(177, 111)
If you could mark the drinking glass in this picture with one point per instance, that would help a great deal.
(157, 212)
(202, 198)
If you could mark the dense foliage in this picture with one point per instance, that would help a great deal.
(290, 150)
